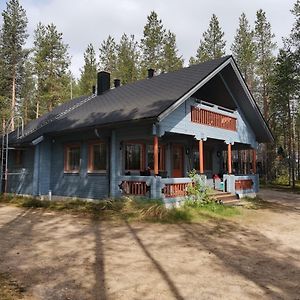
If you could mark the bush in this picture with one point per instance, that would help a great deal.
(198, 192)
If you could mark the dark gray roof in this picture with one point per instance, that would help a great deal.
(142, 99)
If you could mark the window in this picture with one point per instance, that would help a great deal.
(134, 156)
(207, 159)
(72, 158)
(19, 157)
(161, 157)
(97, 157)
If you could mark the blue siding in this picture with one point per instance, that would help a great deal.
(82, 185)
(179, 121)
(22, 183)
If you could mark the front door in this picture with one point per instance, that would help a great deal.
(177, 160)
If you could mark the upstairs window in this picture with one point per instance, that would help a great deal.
(72, 158)
(97, 157)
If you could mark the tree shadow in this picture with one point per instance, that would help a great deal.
(174, 290)
(45, 255)
(250, 254)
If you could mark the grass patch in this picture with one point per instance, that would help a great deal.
(282, 186)
(255, 203)
(211, 210)
(9, 289)
(129, 208)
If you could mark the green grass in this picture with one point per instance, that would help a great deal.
(285, 187)
(129, 208)
(9, 289)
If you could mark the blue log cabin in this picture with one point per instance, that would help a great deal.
(144, 138)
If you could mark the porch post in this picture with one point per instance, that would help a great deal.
(155, 150)
(201, 160)
(254, 160)
(229, 158)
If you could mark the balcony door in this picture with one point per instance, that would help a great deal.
(177, 161)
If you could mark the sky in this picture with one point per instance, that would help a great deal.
(91, 21)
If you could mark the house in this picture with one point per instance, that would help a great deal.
(143, 138)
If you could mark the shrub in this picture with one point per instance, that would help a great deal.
(198, 192)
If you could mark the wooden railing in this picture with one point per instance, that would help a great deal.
(210, 118)
(245, 184)
(137, 188)
(172, 190)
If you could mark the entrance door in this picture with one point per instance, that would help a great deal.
(177, 161)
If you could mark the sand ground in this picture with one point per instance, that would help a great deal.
(57, 256)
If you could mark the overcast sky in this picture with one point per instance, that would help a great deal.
(85, 21)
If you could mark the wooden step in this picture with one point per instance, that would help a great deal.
(226, 198)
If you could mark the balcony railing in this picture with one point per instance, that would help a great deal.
(210, 118)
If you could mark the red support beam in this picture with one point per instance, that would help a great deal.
(155, 150)
(229, 159)
(201, 158)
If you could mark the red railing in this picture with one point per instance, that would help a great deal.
(172, 190)
(245, 184)
(210, 118)
(137, 188)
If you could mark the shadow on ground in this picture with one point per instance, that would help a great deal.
(60, 256)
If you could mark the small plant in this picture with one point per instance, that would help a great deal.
(199, 193)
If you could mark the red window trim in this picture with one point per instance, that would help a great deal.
(66, 147)
(142, 155)
(91, 154)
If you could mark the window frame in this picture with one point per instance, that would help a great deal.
(66, 158)
(161, 156)
(90, 167)
(142, 155)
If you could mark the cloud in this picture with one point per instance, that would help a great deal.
(85, 21)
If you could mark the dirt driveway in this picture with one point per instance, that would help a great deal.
(61, 256)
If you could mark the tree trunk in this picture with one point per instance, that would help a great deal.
(37, 109)
(13, 101)
(298, 154)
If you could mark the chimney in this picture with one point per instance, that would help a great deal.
(150, 73)
(103, 82)
(94, 90)
(117, 83)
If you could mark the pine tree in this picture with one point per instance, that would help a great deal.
(294, 39)
(171, 61)
(212, 45)
(89, 71)
(283, 90)
(13, 38)
(51, 62)
(243, 50)
(28, 91)
(108, 56)
(127, 59)
(152, 44)
(265, 59)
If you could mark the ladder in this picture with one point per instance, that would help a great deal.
(5, 149)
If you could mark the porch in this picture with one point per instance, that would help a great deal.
(158, 167)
